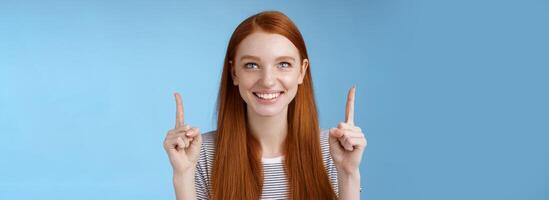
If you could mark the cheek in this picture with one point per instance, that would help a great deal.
(244, 79)
(291, 84)
(290, 81)
(247, 83)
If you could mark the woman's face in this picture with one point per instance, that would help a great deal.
(267, 70)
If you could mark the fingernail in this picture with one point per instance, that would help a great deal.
(187, 134)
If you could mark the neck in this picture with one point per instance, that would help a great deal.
(270, 131)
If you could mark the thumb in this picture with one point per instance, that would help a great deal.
(194, 147)
(334, 138)
(180, 144)
(335, 133)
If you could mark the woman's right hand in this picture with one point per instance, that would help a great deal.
(182, 143)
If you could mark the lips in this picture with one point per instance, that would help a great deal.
(268, 95)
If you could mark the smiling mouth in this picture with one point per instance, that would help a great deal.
(267, 96)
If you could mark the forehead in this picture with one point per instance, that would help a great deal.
(266, 46)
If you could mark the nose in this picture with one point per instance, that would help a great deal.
(268, 77)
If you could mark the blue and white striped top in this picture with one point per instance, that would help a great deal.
(275, 185)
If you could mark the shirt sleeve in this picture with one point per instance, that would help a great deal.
(328, 161)
(202, 191)
(201, 178)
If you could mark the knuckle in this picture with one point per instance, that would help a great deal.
(352, 142)
(342, 132)
(180, 133)
(168, 143)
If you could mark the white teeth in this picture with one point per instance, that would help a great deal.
(268, 96)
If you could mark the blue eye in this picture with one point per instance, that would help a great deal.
(251, 66)
(285, 64)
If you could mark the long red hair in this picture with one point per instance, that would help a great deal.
(237, 170)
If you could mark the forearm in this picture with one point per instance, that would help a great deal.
(349, 185)
(183, 184)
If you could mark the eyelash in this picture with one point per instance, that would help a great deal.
(289, 65)
(246, 65)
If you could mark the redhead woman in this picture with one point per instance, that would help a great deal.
(268, 144)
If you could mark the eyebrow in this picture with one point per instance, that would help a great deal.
(257, 58)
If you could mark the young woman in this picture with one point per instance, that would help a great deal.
(268, 143)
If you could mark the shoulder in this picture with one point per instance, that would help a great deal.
(325, 147)
(207, 149)
(205, 159)
(324, 136)
(324, 133)
(209, 137)
(208, 144)
(327, 156)
(204, 165)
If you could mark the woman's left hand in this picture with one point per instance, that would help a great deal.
(347, 142)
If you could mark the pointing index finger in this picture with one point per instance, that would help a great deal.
(350, 109)
(179, 116)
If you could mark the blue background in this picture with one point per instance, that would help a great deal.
(452, 95)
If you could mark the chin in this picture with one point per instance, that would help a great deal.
(268, 112)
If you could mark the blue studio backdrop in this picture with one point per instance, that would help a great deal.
(452, 95)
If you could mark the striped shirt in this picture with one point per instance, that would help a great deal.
(275, 185)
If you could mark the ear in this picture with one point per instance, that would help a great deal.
(233, 72)
(302, 72)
